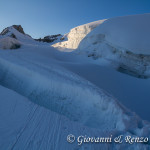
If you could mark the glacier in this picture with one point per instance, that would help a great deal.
(48, 93)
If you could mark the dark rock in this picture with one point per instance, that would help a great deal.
(15, 46)
(50, 38)
(5, 31)
(13, 36)
(19, 28)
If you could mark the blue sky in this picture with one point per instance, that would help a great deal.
(44, 17)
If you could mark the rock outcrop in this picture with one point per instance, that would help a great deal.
(50, 38)
(19, 28)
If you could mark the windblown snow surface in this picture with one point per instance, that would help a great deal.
(47, 94)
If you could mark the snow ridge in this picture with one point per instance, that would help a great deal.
(76, 35)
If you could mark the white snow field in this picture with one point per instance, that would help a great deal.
(46, 94)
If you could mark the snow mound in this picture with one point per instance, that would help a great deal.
(9, 43)
(76, 35)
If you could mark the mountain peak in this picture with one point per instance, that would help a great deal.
(19, 28)
(13, 37)
(8, 29)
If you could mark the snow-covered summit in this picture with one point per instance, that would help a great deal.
(130, 33)
(8, 29)
(75, 36)
(14, 35)
(124, 41)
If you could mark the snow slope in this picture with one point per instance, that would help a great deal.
(75, 36)
(25, 125)
(127, 89)
(54, 89)
(37, 74)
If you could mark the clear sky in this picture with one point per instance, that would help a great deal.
(44, 17)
